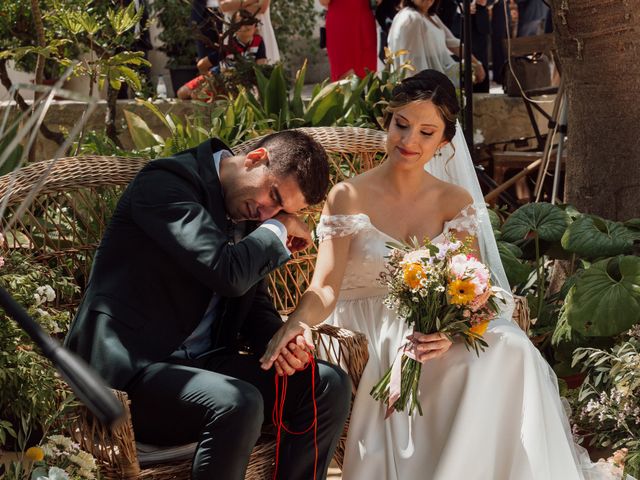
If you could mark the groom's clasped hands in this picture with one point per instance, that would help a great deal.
(289, 350)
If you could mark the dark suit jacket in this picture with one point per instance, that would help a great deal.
(165, 252)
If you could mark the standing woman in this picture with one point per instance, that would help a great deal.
(428, 42)
(351, 37)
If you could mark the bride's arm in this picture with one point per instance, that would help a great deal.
(320, 298)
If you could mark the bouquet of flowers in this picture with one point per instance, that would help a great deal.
(434, 287)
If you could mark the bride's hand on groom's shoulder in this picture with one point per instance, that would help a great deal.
(292, 341)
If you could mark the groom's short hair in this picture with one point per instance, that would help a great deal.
(292, 152)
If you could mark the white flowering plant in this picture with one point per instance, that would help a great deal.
(56, 458)
(607, 409)
(32, 395)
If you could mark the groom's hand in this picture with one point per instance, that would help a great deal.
(293, 358)
(288, 333)
(298, 235)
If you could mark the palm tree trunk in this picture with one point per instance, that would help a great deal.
(598, 44)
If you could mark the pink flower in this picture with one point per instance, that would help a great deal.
(480, 300)
(1, 261)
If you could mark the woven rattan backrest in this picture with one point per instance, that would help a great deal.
(75, 197)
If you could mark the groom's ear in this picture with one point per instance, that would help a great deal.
(259, 156)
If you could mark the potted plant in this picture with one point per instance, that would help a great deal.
(178, 37)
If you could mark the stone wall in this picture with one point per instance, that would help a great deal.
(499, 118)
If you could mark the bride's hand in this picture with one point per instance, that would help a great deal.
(293, 358)
(429, 346)
(287, 333)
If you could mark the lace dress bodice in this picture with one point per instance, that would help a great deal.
(368, 248)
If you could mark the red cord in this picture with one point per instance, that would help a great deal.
(278, 411)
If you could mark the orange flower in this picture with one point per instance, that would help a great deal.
(461, 292)
(480, 328)
(412, 273)
(34, 454)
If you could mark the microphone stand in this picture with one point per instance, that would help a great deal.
(84, 382)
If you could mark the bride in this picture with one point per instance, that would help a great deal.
(493, 417)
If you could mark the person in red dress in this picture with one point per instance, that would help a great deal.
(351, 37)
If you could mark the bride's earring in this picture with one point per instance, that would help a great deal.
(438, 153)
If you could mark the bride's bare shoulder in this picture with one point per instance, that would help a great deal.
(343, 199)
(453, 199)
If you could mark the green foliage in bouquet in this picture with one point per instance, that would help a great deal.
(32, 394)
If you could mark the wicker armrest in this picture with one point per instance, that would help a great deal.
(113, 448)
(342, 347)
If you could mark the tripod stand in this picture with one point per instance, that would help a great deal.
(559, 127)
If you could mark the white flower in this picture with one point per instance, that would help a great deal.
(84, 460)
(416, 256)
(415, 299)
(65, 442)
(55, 473)
(44, 294)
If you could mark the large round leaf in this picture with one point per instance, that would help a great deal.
(517, 271)
(605, 300)
(543, 219)
(593, 237)
(494, 218)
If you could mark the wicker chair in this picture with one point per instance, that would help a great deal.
(68, 203)
(58, 210)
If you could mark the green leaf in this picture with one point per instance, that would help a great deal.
(141, 134)
(494, 218)
(165, 119)
(89, 24)
(12, 161)
(124, 19)
(517, 271)
(128, 58)
(605, 300)
(593, 237)
(297, 105)
(277, 100)
(131, 77)
(542, 219)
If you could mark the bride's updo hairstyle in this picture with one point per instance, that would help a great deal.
(427, 85)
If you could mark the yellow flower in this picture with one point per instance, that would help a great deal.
(480, 328)
(34, 454)
(412, 273)
(461, 291)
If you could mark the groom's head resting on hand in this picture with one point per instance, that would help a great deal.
(285, 172)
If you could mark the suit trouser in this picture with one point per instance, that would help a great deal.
(222, 403)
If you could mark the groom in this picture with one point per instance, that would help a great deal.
(177, 290)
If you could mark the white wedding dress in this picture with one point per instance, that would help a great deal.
(493, 417)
